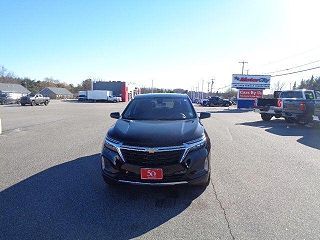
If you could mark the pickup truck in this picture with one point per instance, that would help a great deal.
(269, 107)
(301, 106)
(34, 99)
(316, 113)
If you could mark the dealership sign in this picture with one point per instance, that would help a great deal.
(250, 94)
(251, 81)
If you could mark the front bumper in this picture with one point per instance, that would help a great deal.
(193, 170)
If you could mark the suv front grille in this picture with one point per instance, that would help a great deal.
(144, 158)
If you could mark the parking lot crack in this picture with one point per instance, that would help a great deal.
(223, 210)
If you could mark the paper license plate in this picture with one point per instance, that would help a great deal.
(151, 173)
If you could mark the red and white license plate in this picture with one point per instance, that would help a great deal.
(151, 173)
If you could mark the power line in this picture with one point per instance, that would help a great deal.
(295, 72)
(292, 56)
(286, 69)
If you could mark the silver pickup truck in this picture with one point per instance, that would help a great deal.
(34, 99)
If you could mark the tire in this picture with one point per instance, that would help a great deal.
(23, 104)
(266, 117)
(46, 103)
(33, 103)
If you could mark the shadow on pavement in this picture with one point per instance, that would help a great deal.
(12, 105)
(310, 136)
(71, 201)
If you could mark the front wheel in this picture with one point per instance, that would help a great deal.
(266, 117)
(33, 103)
(46, 103)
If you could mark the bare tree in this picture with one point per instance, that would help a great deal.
(278, 86)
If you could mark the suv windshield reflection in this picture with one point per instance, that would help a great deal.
(159, 108)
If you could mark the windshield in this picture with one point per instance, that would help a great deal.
(159, 108)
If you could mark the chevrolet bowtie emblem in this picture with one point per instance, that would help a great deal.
(151, 150)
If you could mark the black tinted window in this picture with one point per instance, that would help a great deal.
(160, 108)
(291, 94)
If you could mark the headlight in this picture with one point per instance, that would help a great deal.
(112, 144)
(194, 145)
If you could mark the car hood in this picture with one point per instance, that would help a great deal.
(156, 133)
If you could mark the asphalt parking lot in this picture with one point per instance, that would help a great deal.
(264, 185)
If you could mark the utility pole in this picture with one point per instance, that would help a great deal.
(212, 81)
(202, 89)
(152, 86)
(243, 62)
(192, 93)
(247, 71)
(198, 91)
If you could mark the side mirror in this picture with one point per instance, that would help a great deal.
(115, 115)
(204, 115)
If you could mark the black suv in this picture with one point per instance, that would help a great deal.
(157, 140)
(217, 102)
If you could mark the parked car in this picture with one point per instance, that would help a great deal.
(217, 102)
(303, 107)
(293, 105)
(10, 98)
(114, 99)
(34, 99)
(157, 140)
(269, 107)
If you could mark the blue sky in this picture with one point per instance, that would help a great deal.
(175, 43)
